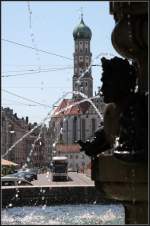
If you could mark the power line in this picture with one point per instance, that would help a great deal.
(40, 50)
(36, 72)
(67, 66)
(35, 65)
(38, 87)
(24, 98)
(18, 103)
(29, 105)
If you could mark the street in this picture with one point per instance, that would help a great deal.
(74, 179)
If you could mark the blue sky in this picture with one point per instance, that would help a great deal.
(49, 28)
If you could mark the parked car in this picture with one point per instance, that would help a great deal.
(14, 181)
(30, 171)
(25, 175)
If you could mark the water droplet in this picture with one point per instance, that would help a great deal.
(44, 207)
(54, 144)
(28, 159)
(43, 197)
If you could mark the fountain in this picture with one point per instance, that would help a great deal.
(119, 173)
(50, 196)
(90, 207)
(119, 149)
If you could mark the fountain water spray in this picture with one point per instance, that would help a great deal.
(89, 67)
(51, 113)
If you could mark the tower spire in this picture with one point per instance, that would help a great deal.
(82, 59)
(81, 9)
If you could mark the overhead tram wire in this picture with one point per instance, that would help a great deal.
(40, 50)
(13, 102)
(39, 87)
(21, 104)
(24, 98)
(33, 69)
(37, 72)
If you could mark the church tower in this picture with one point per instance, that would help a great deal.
(82, 82)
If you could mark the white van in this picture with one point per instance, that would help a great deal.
(59, 167)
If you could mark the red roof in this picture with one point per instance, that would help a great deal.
(74, 110)
(68, 148)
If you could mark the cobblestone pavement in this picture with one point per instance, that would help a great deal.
(74, 179)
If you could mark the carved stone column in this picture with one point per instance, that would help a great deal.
(127, 181)
(130, 35)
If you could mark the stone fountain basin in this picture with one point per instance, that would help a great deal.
(120, 180)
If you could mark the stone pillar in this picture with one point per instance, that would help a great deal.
(130, 35)
(136, 213)
(130, 39)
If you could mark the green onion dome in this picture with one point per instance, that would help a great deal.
(82, 31)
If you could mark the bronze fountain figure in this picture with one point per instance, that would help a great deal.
(119, 148)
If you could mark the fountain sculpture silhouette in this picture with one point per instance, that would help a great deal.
(122, 173)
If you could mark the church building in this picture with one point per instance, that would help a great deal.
(70, 121)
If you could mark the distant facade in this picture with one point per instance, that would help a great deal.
(77, 161)
(12, 129)
(77, 121)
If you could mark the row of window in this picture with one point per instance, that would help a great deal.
(81, 50)
(81, 57)
(81, 69)
(85, 84)
(81, 43)
(76, 165)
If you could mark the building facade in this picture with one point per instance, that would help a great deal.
(13, 129)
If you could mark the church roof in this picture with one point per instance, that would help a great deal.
(65, 108)
(82, 31)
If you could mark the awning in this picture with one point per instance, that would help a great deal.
(8, 163)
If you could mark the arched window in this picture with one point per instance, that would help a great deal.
(93, 126)
(67, 131)
(83, 129)
(75, 129)
(76, 46)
